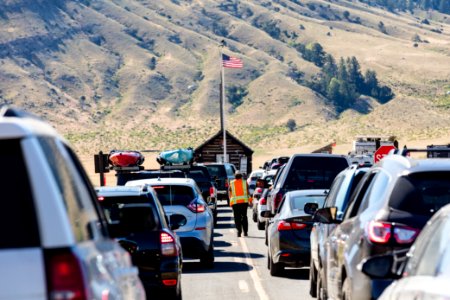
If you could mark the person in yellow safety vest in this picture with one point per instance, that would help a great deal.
(240, 198)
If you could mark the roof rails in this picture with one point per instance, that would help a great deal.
(433, 151)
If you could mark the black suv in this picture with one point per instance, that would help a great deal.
(222, 173)
(306, 171)
(137, 219)
(389, 207)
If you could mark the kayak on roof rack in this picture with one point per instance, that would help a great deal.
(123, 158)
(179, 156)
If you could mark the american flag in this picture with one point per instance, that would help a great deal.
(231, 62)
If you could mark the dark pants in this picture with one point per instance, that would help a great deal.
(240, 217)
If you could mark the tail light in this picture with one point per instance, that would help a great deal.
(258, 190)
(283, 225)
(226, 183)
(262, 201)
(381, 232)
(277, 200)
(196, 207)
(169, 282)
(168, 244)
(211, 191)
(64, 276)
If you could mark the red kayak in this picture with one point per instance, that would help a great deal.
(125, 158)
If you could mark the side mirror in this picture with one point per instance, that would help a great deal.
(267, 214)
(326, 215)
(128, 245)
(310, 208)
(176, 221)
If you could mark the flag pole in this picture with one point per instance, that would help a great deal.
(222, 103)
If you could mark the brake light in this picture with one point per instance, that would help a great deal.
(258, 190)
(277, 200)
(211, 191)
(283, 225)
(101, 198)
(263, 201)
(64, 276)
(169, 282)
(379, 232)
(158, 187)
(168, 246)
(226, 183)
(196, 207)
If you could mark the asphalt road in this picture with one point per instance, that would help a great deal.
(240, 270)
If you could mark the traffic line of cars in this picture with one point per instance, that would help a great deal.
(64, 239)
(371, 226)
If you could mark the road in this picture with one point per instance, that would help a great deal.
(240, 270)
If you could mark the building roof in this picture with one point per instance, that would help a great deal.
(219, 134)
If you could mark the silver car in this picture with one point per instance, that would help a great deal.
(182, 196)
(54, 243)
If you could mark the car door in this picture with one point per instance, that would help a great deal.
(336, 241)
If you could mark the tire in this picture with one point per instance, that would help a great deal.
(207, 260)
(276, 269)
(267, 233)
(312, 280)
(321, 291)
(254, 216)
(346, 291)
(261, 225)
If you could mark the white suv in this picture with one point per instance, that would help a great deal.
(54, 242)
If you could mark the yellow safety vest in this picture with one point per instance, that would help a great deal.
(238, 192)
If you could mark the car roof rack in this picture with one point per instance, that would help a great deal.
(433, 151)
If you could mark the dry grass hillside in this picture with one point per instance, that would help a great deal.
(145, 74)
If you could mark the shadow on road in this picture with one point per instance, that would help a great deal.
(224, 218)
(222, 253)
(219, 267)
(301, 274)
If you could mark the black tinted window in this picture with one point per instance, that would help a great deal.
(18, 225)
(217, 170)
(421, 193)
(174, 194)
(313, 172)
(131, 218)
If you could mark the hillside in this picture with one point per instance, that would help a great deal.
(145, 74)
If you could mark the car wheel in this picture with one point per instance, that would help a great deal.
(254, 216)
(312, 280)
(275, 268)
(261, 225)
(268, 261)
(346, 291)
(207, 260)
(321, 292)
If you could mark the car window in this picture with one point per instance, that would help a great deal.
(421, 193)
(77, 196)
(358, 195)
(375, 195)
(18, 223)
(174, 194)
(298, 202)
(334, 190)
(132, 218)
(313, 172)
(216, 170)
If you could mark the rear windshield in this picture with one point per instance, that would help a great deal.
(313, 172)
(421, 193)
(298, 202)
(199, 175)
(218, 171)
(18, 224)
(125, 219)
(174, 194)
